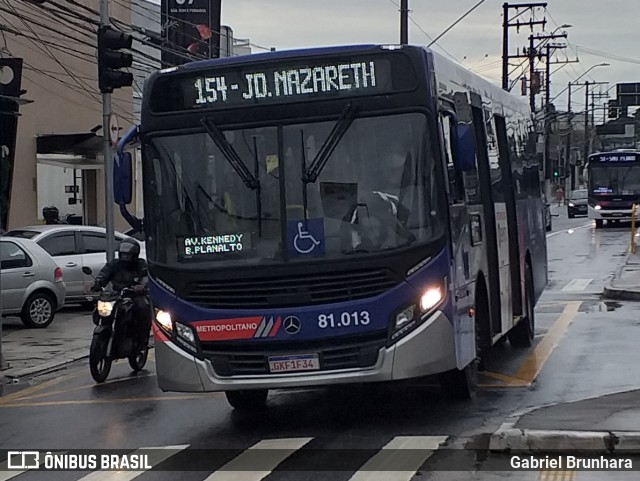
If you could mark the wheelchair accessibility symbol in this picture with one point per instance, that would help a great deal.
(306, 237)
(304, 242)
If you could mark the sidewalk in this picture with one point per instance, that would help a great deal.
(34, 351)
(604, 424)
(626, 281)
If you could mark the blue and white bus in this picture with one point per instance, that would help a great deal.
(336, 215)
(614, 185)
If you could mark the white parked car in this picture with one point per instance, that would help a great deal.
(73, 247)
(32, 285)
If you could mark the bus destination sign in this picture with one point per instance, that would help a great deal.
(272, 83)
(617, 157)
(291, 82)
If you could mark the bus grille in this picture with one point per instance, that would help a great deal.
(333, 355)
(295, 290)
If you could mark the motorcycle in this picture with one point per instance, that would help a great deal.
(116, 334)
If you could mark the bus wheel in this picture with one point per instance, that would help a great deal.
(245, 400)
(522, 333)
(460, 385)
(598, 223)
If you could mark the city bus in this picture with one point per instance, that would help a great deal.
(614, 185)
(338, 215)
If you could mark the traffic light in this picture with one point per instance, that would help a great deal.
(110, 59)
(613, 110)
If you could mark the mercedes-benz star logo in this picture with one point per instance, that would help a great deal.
(291, 325)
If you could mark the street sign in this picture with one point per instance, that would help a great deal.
(114, 130)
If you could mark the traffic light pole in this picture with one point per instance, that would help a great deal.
(108, 155)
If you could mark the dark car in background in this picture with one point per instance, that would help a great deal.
(577, 203)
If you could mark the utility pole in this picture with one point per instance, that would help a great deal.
(586, 123)
(404, 22)
(547, 106)
(568, 146)
(506, 24)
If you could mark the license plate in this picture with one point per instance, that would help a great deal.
(300, 362)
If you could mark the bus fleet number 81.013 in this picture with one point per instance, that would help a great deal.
(346, 319)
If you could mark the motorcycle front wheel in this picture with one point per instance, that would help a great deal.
(137, 361)
(99, 363)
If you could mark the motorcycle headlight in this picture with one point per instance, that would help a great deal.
(105, 308)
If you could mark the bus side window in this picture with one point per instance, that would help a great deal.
(454, 175)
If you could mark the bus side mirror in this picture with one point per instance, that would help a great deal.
(465, 155)
(122, 179)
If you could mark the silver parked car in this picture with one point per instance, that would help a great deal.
(31, 283)
(72, 247)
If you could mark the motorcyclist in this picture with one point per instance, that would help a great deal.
(128, 270)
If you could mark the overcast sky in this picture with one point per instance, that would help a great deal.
(610, 27)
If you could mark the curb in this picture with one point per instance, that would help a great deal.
(16, 373)
(620, 293)
(509, 438)
(617, 293)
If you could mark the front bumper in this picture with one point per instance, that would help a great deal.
(578, 210)
(612, 214)
(427, 350)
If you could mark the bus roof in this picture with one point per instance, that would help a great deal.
(283, 55)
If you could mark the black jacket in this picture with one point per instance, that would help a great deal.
(122, 275)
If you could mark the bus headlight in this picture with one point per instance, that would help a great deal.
(163, 319)
(412, 316)
(186, 337)
(598, 207)
(105, 308)
(431, 298)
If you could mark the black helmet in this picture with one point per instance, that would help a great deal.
(128, 251)
(50, 214)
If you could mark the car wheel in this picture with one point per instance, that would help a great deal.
(38, 311)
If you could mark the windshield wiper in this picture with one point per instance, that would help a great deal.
(337, 132)
(230, 154)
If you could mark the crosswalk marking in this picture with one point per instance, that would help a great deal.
(411, 451)
(577, 285)
(156, 456)
(283, 448)
(5, 474)
(408, 453)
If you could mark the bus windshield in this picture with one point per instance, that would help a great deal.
(615, 180)
(376, 191)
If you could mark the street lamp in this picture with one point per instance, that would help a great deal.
(604, 64)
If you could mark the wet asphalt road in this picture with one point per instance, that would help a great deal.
(586, 346)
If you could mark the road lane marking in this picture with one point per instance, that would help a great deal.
(238, 468)
(536, 360)
(509, 380)
(107, 401)
(577, 285)
(550, 475)
(19, 394)
(77, 388)
(567, 230)
(155, 457)
(409, 451)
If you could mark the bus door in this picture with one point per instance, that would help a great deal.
(495, 225)
(460, 241)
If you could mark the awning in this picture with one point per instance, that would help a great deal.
(74, 151)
